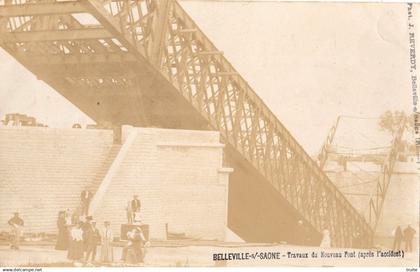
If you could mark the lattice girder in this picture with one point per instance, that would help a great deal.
(159, 47)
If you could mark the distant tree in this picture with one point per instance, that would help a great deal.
(391, 121)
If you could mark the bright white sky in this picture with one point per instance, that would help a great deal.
(310, 62)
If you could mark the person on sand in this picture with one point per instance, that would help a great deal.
(16, 224)
(92, 240)
(134, 251)
(135, 206)
(398, 237)
(107, 251)
(75, 252)
(409, 233)
(129, 211)
(85, 199)
(326, 239)
(63, 233)
(300, 233)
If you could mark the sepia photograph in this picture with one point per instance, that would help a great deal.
(208, 133)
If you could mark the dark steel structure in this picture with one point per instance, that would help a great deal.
(147, 63)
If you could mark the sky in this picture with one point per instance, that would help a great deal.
(309, 62)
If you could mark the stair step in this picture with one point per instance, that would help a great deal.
(65, 162)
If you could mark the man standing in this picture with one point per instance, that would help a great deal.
(85, 198)
(357, 240)
(16, 223)
(300, 233)
(93, 239)
(135, 206)
(398, 236)
(408, 238)
(326, 239)
(86, 226)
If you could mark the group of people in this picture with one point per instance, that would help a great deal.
(16, 223)
(406, 236)
(81, 239)
(79, 235)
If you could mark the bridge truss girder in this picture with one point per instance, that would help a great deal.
(163, 60)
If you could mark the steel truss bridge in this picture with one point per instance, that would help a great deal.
(147, 63)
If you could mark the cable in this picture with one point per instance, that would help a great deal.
(367, 148)
(356, 184)
(367, 138)
(364, 171)
(359, 117)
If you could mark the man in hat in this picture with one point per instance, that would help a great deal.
(16, 223)
(398, 237)
(93, 239)
(409, 233)
(86, 225)
(87, 222)
(135, 206)
(300, 233)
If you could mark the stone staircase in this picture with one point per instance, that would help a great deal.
(101, 173)
(43, 171)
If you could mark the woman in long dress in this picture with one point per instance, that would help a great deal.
(326, 239)
(129, 213)
(63, 233)
(75, 252)
(68, 218)
(107, 251)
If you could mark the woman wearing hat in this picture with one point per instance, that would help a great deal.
(133, 252)
(63, 233)
(76, 251)
(107, 251)
(326, 239)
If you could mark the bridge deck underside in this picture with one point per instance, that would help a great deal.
(142, 101)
